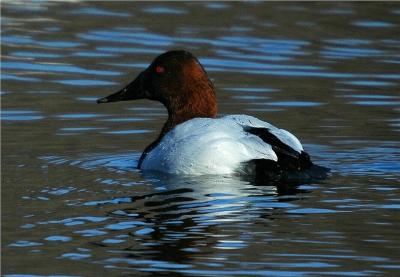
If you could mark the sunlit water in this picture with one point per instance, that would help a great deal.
(73, 203)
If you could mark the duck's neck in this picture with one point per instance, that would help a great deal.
(202, 106)
(196, 106)
(196, 98)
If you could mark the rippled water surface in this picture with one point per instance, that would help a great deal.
(73, 203)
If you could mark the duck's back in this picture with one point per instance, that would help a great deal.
(219, 146)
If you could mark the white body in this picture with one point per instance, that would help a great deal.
(214, 146)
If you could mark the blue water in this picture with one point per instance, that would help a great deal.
(73, 202)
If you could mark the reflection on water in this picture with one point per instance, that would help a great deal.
(74, 203)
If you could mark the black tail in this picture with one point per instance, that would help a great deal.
(267, 171)
(291, 164)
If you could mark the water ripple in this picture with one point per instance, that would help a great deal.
(59, 68)
(20, 115)
(98, 12)
(164, 10)
(373, 24)
(142, 38)
(23, 40)
(85, 83)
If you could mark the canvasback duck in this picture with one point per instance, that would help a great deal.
(194, 141)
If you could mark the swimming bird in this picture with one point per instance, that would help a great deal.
(195, 141)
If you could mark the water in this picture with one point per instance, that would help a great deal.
(73, 203)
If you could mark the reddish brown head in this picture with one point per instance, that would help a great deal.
(177, 80)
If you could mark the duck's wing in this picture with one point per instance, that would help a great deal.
(287, 147)
(292, 163)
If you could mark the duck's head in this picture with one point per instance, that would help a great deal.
(177, 80)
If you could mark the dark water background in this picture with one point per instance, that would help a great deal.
(73, 203)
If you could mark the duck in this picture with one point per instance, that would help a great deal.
(195, 141)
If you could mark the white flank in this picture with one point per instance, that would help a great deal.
(214, 146)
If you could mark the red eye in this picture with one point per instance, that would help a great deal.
(160, 69)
